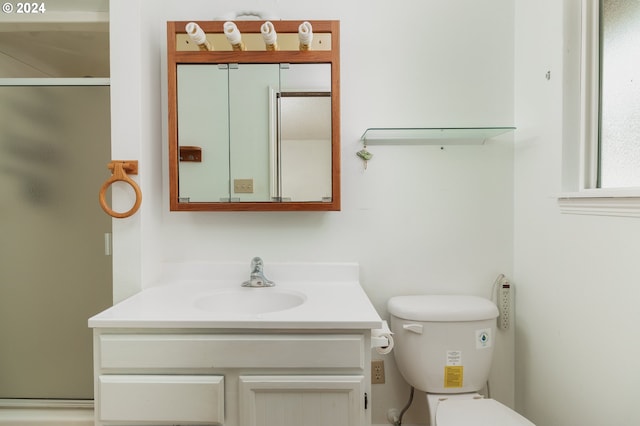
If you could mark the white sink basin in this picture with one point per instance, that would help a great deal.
(249, 301)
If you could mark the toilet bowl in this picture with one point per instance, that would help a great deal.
(444, 347)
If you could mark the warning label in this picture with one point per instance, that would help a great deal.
(453, 376)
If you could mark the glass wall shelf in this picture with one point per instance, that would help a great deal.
(432, 136)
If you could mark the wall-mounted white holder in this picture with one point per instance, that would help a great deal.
(382, 339)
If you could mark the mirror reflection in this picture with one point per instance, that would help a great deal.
(245, 140)
(305, 146)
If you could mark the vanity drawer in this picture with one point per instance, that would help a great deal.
(154, 351)
(162, 399)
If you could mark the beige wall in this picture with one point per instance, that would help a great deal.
(418, 220)
(577, 276)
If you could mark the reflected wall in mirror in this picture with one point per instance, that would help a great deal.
(304, 151)
(254, 129)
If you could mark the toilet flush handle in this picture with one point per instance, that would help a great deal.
(414, 328)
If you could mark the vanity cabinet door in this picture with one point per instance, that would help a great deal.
(166, 399)
(302, 400)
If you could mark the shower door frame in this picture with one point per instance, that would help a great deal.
(41, 412)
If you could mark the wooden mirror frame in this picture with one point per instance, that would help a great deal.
(176, 57)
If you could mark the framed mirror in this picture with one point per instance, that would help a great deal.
(258, 128)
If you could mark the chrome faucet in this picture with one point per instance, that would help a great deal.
(257, 278)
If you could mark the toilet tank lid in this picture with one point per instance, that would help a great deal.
(442, 308)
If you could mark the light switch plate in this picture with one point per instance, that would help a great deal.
(243, 186)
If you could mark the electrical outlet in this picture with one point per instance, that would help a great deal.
(377, 372)
(504, 306)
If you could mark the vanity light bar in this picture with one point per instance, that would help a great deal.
(253, 36)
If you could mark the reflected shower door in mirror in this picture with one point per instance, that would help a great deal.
(254, 130)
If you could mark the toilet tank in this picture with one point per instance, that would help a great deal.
(443, 343)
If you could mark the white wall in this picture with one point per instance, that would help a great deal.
(577, 276)
(418, 220)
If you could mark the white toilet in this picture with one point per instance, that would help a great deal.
(444, 347)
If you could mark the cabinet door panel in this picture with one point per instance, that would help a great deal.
(203, 114)
(301, 400)
(250, 108)
(154, 398)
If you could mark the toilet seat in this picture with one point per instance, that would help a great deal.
(477, 412)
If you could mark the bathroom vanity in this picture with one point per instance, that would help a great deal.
(199, 352)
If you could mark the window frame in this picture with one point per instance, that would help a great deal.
(580, 194)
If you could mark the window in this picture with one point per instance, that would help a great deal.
(619, 118)
(601, 158)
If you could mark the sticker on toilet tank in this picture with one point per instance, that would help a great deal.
(454, 358)
(453, 370)
(483, 338)
(453, 376)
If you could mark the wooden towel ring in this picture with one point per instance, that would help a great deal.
(119, 171)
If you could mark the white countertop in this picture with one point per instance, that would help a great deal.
(340, 305)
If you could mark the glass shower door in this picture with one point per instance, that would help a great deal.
(54, 274)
